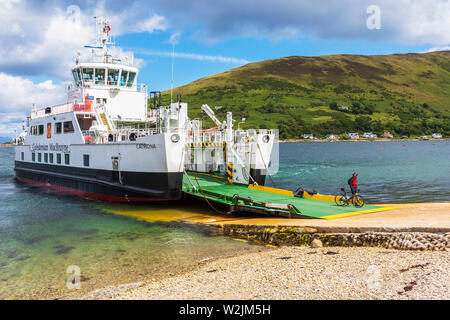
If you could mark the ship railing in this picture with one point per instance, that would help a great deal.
(61, 108)
(120, 135)
(215, 136)
(104, 59)
(115, 85)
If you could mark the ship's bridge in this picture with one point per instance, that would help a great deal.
(113, 85)
(94, 74)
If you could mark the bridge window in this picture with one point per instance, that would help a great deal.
(68, 127)
(99, 76)
(33, 157)
(46, 157)
(67, 158)
(58, 158)
(131, 78)
(113, 76)
(39, 157)
(50, 157)
(79, 75)
(75, 76)
(41, 129)
(123, 78)
(88, 74)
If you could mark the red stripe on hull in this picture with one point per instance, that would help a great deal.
(86, 194)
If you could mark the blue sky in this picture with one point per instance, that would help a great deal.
(39, 38)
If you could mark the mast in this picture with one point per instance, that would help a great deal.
(102, 38)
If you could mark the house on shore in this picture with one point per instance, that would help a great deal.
(332, 136)
(309, 136)
(369, 135)
(353, 135)
(388, 135)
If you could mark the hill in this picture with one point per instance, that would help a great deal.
(407, 94)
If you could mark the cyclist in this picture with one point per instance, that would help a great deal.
(353, 184)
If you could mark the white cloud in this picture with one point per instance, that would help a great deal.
(152, 24)
(193, 56)
(438, 49)
(17, 95)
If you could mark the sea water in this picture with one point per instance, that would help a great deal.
(43, 233)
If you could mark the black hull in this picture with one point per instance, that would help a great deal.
(106, 185)
(259, 176)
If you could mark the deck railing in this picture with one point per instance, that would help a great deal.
(56, 109)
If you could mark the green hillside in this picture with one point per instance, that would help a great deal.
(407, 94)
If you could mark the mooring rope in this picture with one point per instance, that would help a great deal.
(207, 201)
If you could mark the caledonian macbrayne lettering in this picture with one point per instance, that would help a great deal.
(51, 147)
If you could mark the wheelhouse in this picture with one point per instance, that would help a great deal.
(85, 75)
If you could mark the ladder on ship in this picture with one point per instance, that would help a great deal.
(105, 121)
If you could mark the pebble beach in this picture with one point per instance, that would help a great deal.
(303, 273)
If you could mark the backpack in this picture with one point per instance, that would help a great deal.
(349, 182)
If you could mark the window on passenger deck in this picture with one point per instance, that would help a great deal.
(88, 74)
(123, 78)
(58, 127)
(33, 157)
(22, 156)
(46, 157)
(50, 158)
(113, 76)
(86, 160)
(41, 129)
(131, 78)
(58, 158)
(99, 76)
(67, 158)
(39, 157)
(68, 127)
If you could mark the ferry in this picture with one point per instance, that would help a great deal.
(105, 142)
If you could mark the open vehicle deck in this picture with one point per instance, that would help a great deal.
(265, 200)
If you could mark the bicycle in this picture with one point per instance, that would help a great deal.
(344, 199)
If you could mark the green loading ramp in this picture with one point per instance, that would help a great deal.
(241, 198)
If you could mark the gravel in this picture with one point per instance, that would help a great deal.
(304, 273)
